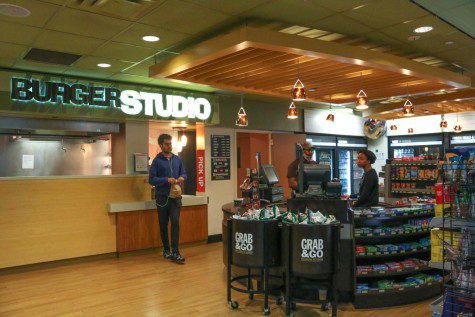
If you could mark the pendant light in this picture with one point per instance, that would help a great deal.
(241, 120)
(331, 116)
(361, 98)
(443, 122)
(298, 92)
(458, 127)
(410, 130)
(292, 112)
(408, 108)
(393, 127)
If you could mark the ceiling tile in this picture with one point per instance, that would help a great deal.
(431, 45)
(464, 18)
(40, 12)
(350, 27)
(86, 23)
(403, 30)
(66, 42)
(7, 62)
(73, 71)
(18, 33)
(131, 78)
(125, 52)
(139, 70)
(134, 34)
(40, 67)
(229, 7)
(90, 62)
(380, 14)
(184, 17)
(9, 50)
(299, 12)
(381, 38)
(345, 5)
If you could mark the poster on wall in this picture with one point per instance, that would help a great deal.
(220, 157)
(200, 171)
(220, 168)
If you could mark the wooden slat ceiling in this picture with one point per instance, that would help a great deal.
(431, 109)
(262, 71)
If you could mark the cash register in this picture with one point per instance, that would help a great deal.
(314, 181)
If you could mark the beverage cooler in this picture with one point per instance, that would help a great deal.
(429, 146)
(341, 153)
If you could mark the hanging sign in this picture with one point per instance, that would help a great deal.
(130, 102)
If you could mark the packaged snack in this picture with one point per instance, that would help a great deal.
(290, 217)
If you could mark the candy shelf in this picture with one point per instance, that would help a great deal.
(394, 218)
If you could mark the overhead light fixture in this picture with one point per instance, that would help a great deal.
(292, 112)
(393, 127)
(151, 38)
(241, 120)
(312, 89)
(298, 92)
(361, 100)
(413, 37)
(104, 65)
(410, 130)
(423, 29)
(13, 10)
(443, 122)
(331, 116)
(408, 109)
(458, 127)
(449, 43)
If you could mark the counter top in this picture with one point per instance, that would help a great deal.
(187, 200)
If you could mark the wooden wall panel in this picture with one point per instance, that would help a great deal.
(283, 153)
(138, 230)
(52, 219)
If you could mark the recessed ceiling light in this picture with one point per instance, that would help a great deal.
(13, 10)
(104, 65)
(414, 37)
(424, 29)
(150, 38)
(312, 89)
(359, 7)
(449, 43)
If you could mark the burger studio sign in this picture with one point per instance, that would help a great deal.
(130, 102)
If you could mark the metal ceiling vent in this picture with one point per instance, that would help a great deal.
(51, 57)
(128, 9)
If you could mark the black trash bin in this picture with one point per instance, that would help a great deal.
(253, 244)
(311, 257)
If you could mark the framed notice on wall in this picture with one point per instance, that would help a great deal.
(220, 157)
(141, 162)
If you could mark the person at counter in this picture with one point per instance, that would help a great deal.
(292, 170)
(368, 195)
(167, 173)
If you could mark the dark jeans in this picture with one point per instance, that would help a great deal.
(169, 209)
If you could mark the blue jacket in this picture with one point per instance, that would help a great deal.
(160, 171)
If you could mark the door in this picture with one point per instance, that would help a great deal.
(357, 173)
(344, 170)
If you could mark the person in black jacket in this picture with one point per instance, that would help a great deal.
(369, 187)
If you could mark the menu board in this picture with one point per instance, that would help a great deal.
(220, 157)
(220, 146)
(220, 168)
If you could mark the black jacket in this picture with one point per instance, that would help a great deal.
(369, 190)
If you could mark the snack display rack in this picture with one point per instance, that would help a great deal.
(392, 253)
(410, 176)
(458, 238)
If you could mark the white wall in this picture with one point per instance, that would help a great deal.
(431, 124)
(346, 123)
(223, 191)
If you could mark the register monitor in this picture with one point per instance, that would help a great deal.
(269, 175)
(313, 178)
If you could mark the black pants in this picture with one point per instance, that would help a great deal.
(169, 209)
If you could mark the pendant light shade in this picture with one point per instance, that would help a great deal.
(331, 117)
(241, 120)
(393, 127)
(408, 109)
(410, 130)
(292, 113)
(458, 128)
(298, 92)
(443, 122)
(361, 100)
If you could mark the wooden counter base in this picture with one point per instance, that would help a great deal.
(138, 230)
